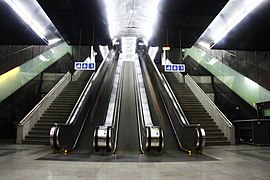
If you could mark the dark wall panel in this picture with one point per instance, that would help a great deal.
(263, 60)
(251, 57)
(252, 72)
(252, 64)
(264, 77)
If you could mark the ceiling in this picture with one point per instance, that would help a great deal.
(180, 23)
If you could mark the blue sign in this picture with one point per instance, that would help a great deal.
(85, 66)
(175, 68)
(168, 67)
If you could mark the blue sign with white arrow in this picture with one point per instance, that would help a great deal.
(85, 66)
(175, 68)
(168, 67)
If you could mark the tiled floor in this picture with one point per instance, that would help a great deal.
(240, 162)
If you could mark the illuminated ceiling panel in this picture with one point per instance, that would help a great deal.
(33, 15)
(131, 18)
(229, 17)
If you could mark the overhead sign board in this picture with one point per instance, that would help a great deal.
(85, 66)
(175, 68)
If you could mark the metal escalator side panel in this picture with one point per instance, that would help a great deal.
(105, 135)
(67, 135)
(186, 135)
(150, 136)
(116, 115)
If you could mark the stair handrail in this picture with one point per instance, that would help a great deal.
(34, 115)
(222, 121)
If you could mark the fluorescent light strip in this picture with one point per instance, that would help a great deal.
(236, 20)
(26, 19)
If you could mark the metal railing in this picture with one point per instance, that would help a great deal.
(219, 118)
(34, 115)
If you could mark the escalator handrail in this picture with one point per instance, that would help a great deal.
(179, 110)
(138, 101)
(116, 115)
(81, 100)
(175, 101)
(78, 108)
(162, 81)
(199, 130)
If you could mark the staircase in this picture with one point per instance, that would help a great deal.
(195, 112)
(58, 112)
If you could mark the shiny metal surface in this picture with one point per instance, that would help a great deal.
(103, 138)
(185, 134)
(106, 135)
(150, 136)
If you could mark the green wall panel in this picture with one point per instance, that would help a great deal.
(12, 80)
(247, 89)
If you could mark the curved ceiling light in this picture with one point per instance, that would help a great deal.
(131, 18)
(34, 16)
(231, 15)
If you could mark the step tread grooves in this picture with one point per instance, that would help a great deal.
(195, 112)
(57, 112)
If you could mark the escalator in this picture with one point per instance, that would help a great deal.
(130, 126)
(128, 137)
(178, 133)
(76, 134)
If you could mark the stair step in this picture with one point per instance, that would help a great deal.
(61, 111)
(37, 137)
(39, 133)
(60, 106)
(57, 112)
(207, 128)
(53, 111)
(216, 143)
(196, 113)
(57, 118)
(47, 118)
(43, 125)
(43, 129)
(190, 105)
(210, 126)
(65, 101)
(50, 123)
(36, 142)
(203, 124)
(215, 138)
(216, 133)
